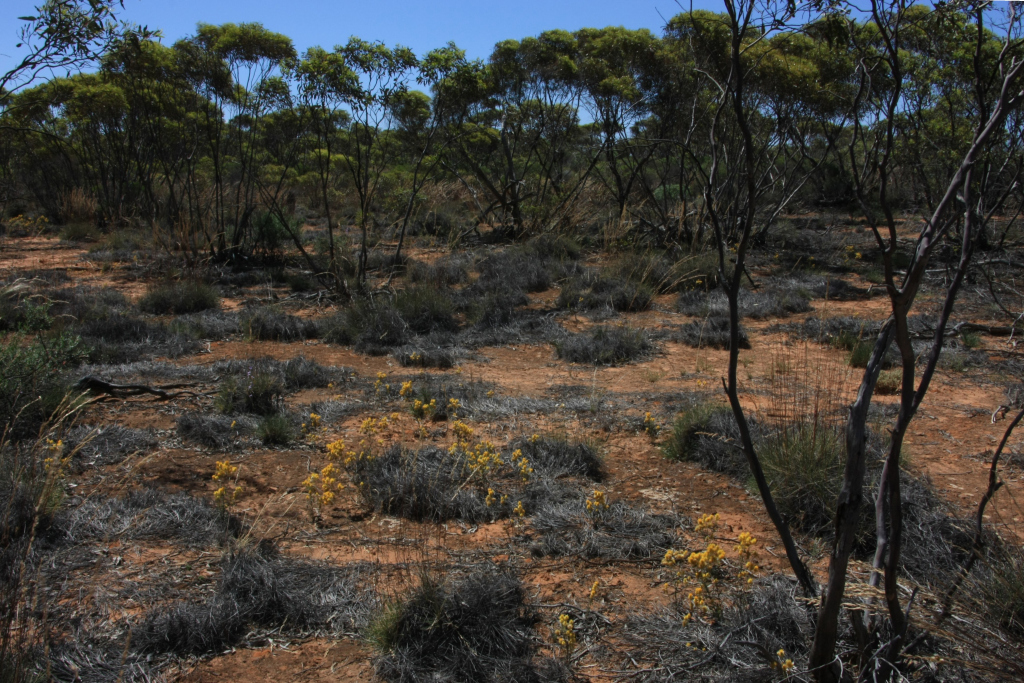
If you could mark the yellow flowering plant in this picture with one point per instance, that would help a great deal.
(229, 491)
(698, 575)
(564, 636)
(597, 504)
(320, 488)
(651, 427)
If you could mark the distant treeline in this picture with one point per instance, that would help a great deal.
(224, 141)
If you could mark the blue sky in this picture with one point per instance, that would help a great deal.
(474, 25)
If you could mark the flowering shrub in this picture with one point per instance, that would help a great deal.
(229, 491)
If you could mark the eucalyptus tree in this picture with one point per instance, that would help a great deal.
(783, 99)
(325, 84)
(59, 36)
(619, 74)
(751, 163)
(421, 123)
(518, 132)
(236, 67)
(370, 147)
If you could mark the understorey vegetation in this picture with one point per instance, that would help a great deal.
(616, 354)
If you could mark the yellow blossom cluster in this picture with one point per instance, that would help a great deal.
(423, 410)
(493, 498)
(54, 463)
(461, 430)
(381, 387)
(223, 497)
(565, 635)
(701, 572)
(406, 390)
(783, 662)
(597, 503)
(707, 524)
(481, 458)
(320, 489)
(311, 428)
(519, 460)
(748, 555)
(651, 427)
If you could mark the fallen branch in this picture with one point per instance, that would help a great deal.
(103, 389)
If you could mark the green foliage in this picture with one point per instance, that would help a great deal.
(1002, 588)
(970, 340)
(275, 430)
(33, 381)
(860, 353)
(604, 346)
(706, 433)
(889, 381)
(178, 298)
(256, 391)
(803, 464)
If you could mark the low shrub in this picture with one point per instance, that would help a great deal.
(370, 325)
(803, 464)
(1002, 589)
(268, 324)
(33, 382)
(426, 357)
(889, 382)
(179, 297)
(428, 484)
(207, 325)
(605, 293)
(258, 588)
(426, 310)
(514, 269)
(444, 272)
(471, 628)
(275, 430)
(617, 531)
(212, 431)
(558, 456)
(711, 333)
(604, 346)
(497, 309)
(706, 433)
(257, 391)
(768, 302)
(658, 272)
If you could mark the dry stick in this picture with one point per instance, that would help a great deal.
(994, 484)
(101, 388)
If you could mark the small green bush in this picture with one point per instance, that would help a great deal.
(477, 627)
(1002, 589)
(178, 298)
(861, 354)
(970, 340)
(609, 293)
(268, 324)
(426, 309)
(604, 346)
(803, 464)
(255, 392)
(275, 430)
(371, 326)
(889, 382)
(706, 433)
(32, 379)
(79, 232)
